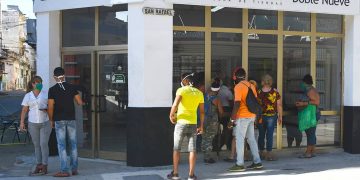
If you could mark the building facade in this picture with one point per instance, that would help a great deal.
(127, 57)
(15, 64)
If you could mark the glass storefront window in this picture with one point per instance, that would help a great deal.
(226, 54)
(263, 19)
(262, 57)
(226, 17)
(113, 25)
(189, 54)
(78, 27)
(328, 72)
(297, 21)
(186, 15)
(329, 23)
(297, 54)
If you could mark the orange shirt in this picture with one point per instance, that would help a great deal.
(240, 91)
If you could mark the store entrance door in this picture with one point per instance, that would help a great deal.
(112, 103)
(101, 78)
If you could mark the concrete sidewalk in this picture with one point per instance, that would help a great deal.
(331, 163)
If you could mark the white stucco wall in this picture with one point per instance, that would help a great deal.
(150, 56)
(48, 45)
(352, 61)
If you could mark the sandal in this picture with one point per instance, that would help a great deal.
(62, 174)
(37, 170)
(173, 176)
(307, 156)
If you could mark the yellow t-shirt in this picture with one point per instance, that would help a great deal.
(190, 100)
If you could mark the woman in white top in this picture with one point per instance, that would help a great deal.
(35, 102)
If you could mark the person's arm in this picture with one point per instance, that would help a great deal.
(235, 110)
(24, 110)
(314, 97)
(200, 130)
(50, 111)
(219, 107)
(174, 108)
(78, 99)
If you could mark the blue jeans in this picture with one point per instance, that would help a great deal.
(267, 129)
(67, 128)
(311, 136)
(245, 128)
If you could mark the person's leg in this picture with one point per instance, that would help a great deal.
(191, 134)
(261, 139)
(240, 132)
(252, 141)
(34, 130)
(178, 139)
(71, 132)
(60, 129)
(44, 141)
(210, 132)
(311, 134)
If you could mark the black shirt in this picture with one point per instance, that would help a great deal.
(64, 108)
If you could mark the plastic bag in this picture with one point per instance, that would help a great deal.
(307, 117)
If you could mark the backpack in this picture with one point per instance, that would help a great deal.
(252, 103)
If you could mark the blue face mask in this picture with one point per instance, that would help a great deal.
(38, 86)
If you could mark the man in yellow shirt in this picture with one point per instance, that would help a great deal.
(184, 115)
(244, 123)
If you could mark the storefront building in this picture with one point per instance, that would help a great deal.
(127, 56)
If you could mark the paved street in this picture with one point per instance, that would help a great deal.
(330, 164)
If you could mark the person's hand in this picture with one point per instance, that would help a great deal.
(280, 120)
(200, 130)
(22, 126)
(52, 125)
(172, 118)
(230, 125)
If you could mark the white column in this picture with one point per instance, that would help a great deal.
(352, 61)
(150, 60)
(48, 45)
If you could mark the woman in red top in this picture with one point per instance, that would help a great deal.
(270, 101)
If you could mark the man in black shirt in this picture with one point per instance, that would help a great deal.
(61, 111)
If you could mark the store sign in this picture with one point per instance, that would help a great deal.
(344, 7)
(158, 11)
(118, 79)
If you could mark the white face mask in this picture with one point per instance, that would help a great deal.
(60, 81)
(182, 84)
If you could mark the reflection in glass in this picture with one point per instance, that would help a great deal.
(297, 21)
(297, 54)
(113, 25)
(78, 27)
(226, 17)
(78, 72)
(263, 19)
(328, 72)
(329, 23)
(262, 57)
(189, 54)
(113, 101)
(226, 54)
(186, 15)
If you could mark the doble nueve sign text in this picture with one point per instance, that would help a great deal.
(326, 2)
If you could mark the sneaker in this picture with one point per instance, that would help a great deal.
(255, 166)
(237, 168)
(173, 176)
(192, 177)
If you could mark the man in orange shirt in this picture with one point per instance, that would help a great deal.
(244, 123)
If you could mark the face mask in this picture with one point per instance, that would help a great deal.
(182, 84)
(38, 86)
(60, 81)
(190, 83)
(303, 87)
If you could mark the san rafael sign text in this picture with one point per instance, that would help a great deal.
(158, 11)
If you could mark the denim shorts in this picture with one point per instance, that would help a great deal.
(185, 130)
(311, 136)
